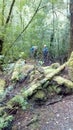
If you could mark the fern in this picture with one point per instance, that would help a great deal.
(21, 101)
(5, 121)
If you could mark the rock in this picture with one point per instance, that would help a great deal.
(27, 68)
(18, 70)
(8, 67)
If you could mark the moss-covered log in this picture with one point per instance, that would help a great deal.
(36, 84)
(62, 81)
(32, 88)
(70, 67)
(22, 70)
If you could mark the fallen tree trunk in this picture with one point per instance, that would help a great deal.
(62, 81)
(36, 84)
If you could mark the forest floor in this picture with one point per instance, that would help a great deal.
(58, 116)
(54, 114)
(50, 115)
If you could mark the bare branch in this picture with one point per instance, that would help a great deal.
(10, 11)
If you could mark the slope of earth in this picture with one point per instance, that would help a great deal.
(54, 116)
(58, 116)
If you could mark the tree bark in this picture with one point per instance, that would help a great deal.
(3, 7)
(7, 21)
(1, 45)
(1, 39)
(71, 26)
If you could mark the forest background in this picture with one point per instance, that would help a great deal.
(24, 23)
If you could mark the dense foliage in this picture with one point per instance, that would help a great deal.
(34, 23)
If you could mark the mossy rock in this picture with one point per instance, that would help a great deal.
(18, 70)
(40, 95)
(21, 70)
(2, 85)
(70, 67)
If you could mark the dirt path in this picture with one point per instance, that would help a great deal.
(58, 116)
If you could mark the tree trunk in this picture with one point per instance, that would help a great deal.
(1, 39)
(1, 46)
(3, 7)
(7, 21)
(71, 26)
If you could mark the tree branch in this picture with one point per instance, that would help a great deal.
(25, 27)
(29, 21)
(42, 7)
(10, 11)
(60, 12)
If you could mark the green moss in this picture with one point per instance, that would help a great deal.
(5, 121)
(20, 70)
(70, 67)
(53, 89)
(19, 100)
(55, 65)
(2, 85)
(40, 95)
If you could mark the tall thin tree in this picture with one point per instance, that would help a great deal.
(6, 23)
(10, 11)
(71, 26)
(3, 7)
